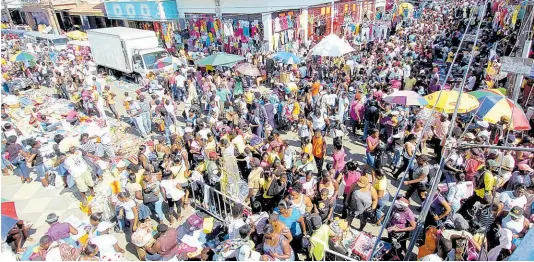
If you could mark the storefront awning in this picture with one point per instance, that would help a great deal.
(88, 10)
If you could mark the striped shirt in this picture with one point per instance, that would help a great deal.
(88, 147)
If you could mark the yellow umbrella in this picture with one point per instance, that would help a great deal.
(77, 35)
(3, 62)
(405, 6)
(447, 101)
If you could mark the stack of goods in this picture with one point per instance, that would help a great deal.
(124, 143)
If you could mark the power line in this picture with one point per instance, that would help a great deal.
(419, 140)
(429, 200)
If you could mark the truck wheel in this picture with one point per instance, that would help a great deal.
(138, 79)
(111, 72)
(100, 70)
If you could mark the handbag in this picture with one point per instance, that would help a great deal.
(150, 197)
(275, 188)
(370, 215)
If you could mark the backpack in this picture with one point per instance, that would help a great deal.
(68, 252)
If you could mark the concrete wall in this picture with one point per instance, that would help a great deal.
(243, 7)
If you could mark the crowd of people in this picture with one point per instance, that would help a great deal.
(205, 134)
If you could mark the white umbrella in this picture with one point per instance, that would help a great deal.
(331, 45)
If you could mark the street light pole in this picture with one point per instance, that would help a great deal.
(9, 18)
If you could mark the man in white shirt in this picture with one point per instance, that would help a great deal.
(80, 171)
(471, 83)
(514, 198)
(180, 86)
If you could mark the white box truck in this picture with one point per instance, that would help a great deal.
(128, 51)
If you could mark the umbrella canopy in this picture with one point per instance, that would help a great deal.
(331, 45)
(8, 209)
(248, 69)
(494, 105)
(9, 218)
(23, 56)
(406, 97)
(448, 99)
(166, 61)
(3, 61)
(220, 59)
(286, 57)
(77, 35)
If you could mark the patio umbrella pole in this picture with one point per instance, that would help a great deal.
(472, 118)
(528, 97)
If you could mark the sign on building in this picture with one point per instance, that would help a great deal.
(516, 65)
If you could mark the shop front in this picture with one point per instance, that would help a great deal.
(288, 29)
(349, 19)
(159, 16)
(235, 34)
(88, 16)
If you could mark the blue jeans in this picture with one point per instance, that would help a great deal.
(397, 156)
(370, 159)
(167, 135)
(155, 257)
(52, 127)
(41, 171)
(174, 91)
(20, 165)
(381, 204)
(180, 93)
(159, 208)
(365, 129)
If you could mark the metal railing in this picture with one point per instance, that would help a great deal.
(215, 202)
(331, 255)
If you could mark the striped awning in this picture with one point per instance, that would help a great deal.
(88, 10)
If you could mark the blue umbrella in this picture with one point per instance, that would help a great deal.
(7, 225)
(286, 57)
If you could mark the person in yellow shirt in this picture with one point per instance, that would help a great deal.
(110, 101)
(307, 147)
(486, 182)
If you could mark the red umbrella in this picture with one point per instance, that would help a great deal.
(8, 209)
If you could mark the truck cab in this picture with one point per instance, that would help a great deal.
(144, 60)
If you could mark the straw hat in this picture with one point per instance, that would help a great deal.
(363, 181)
(67, 143)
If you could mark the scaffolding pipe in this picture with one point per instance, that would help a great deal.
(467, 146)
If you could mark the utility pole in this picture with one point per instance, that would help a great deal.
(53, 18)
(218, 13)
(8, 14)
(332, 15)
(525, 38)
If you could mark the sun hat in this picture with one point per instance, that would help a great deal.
(363, 181)
(51, 218)
(103, 226)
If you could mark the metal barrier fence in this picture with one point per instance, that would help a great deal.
(331, 255)
(214, 202)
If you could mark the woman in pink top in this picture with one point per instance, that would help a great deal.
(339, 156)
(351, 176)
(372, 142)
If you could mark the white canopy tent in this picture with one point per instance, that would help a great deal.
(333, 46)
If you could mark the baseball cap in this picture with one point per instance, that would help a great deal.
(516, 212)
(247, 254)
